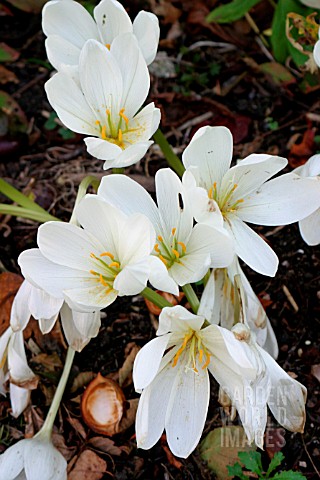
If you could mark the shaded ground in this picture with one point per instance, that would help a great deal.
(205, 75)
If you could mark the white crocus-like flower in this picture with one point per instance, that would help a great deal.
(242, 194)
(316, 51)
(217, 305)
(311, 3)
(14, 366)
(103, 100)
(68, 25)
(32, 459)
(187, 251)
(172, 373)
(310, 226)
(31, 300)
(90, 266)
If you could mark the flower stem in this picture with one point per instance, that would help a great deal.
(173, 160)
(191, 297)
(82, 190)
(23, 212)
(155, 298)
(118, 170)
(49, 421)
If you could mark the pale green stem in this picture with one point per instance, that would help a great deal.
(49, 421)
(82, 190)
(18, 197)
(118, 170)
(37, 215)
(155, 298)
(191, 297)
(173, 160)
(255, 28)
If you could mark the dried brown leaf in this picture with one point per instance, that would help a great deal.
(9, 285)
(7, 76)
(78, 427)
(106, 445)
(315, 370)
(88, 466)
(125, 372)
(82, 380)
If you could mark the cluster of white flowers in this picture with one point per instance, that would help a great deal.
(121, 240)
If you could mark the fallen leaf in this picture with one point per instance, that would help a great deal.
(125, 372)
(278, 73)
(9, 285)
(105, 445)
(300, 152)
(17, 120)
(170, 457)
(8, 54)
(7, 76)
(81, 380)
(59, 442)
(77, 426)
(88, 466)
(51, 363)
(29, 6)
(129, 416)
(167, 10)
(315, 370)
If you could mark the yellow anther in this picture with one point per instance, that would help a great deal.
(120, 135)
(163, 259)
(97, 122)
(173, 231)
(108, 112)
(3, 360)
(200, 355)
(182, 348)
(93, 272)
(183, 246)
(156, 247)
(104, 132)
(234, 187)
(206, 362)
(114, 264)
(122, 115)
(210, 193)
(108, 45)
(176, 253)
(108, 290)
(160, 239)
(92, 255)
(101, 280)
(107, 254)
(215, 185)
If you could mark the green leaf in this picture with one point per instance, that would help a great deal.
(252, 461)
(280, 43)
(8, 54)
(289, 475)
(279, 74)
(66, 134)
(236, 471)
(275, 462)
(50, 124)
(232, 11)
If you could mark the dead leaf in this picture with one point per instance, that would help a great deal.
(78, 427)
(278, 73)
(7, 76)
(167, 10)
(125, 372)
(129, 416)
(167, 296)
(300, 152)
(274, 440)
(59, 442)
(170, 457)
(82, 380)
(105, 445)
(9, 285)
(88, 466)
(8, 54)
(30, 6)
(315, 370)
(51, 363)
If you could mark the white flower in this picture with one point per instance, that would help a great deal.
(103, 101)
(242, 194)
(310, 226)
(311, 3)
(90, 267)
(14, 366)
(175, 388)
(187, 251)
(217, 305)
(33, 459)
(68, 25)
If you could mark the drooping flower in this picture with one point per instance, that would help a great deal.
(103, 99)
(68, 25)
(32, 459)
(172, 373)
(310, 226)
(187, 251)
(218, 304)
(243, 194)
(90, 266)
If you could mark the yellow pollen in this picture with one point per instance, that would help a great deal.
(93, 272)
(210, 193)
(176, 253)
(108, 290)
(163, 259)
(108, 112)
(104, 283)
(173, 231)
(122, 115)
(114, 264)
(104, 132)
(156, 247)
(97, 122)
(108, 45)
(120, 135)
(183, 246)
(107, 254)
(200, 355)
(206, 362)
(160, 238)
(181, 349)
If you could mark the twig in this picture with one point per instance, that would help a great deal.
(290, 298)
(309, 456)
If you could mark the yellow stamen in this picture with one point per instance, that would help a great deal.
(176, 253)
(206, 362)
(156, 247)
(120, 135)
(183, 246)
(215, 185)
(163, 259)
(108, 112)
(104, 132)
(173, 231)
(122, 115)
(107, 254)
(108, 290)
(92, 255)
(97, 122)
(93, 272)
(210, 193)
(234, 187)
(200, 355)
(108, 45)
(114, 264)
(160, 239)
(183, 346)
(104, 283)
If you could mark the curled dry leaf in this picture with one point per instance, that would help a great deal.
(168, 296)
(102, 405)
(9, 285)
(88, 466)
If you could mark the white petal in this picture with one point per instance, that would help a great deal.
(281, 201)
(211, 151)
(126, 194)
(208, 300)
(252, 249)
(134, 71)
(204, 209)
(131, 155)
(79, 327)
(103, 150)
(19, 370)
(87, 299)
(311, 168)
(271, 345)
(43, 306)
(147, 31)
(143, 125)
(310, 228)
(101, 80)
(192, 268)
(47, 324)
(68, 101)
(187, 409)
(147, 362)
(249, 177)
(287, 398)
(136, 239)
(43, 460)
(20, 312)
(178, 319)
(316, 53)
(133, 278)
(216, 242)
(112, 20)
(61, 52)
(11, 461)
(70, 20)
(19, 398)
(159, 277)
(155, 120)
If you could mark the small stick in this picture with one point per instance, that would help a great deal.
(290, 298)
